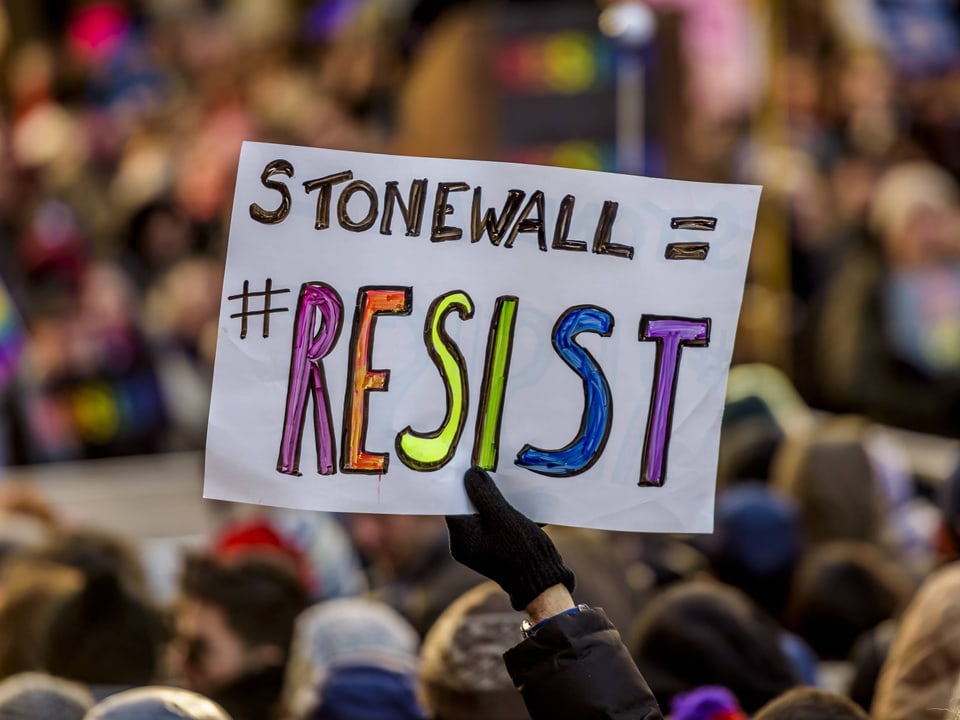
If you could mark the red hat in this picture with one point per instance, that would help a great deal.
(257, 536)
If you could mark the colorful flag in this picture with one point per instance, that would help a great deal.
(12, 337)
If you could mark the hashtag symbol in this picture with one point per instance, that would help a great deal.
(245, 311)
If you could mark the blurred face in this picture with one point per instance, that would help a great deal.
(207, 653)
(166, 238)
(394, 544)
(929, 236)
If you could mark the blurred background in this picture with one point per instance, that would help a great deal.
(121, 126)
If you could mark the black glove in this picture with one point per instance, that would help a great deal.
(504, 545)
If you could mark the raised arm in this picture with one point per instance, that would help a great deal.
(571, 662)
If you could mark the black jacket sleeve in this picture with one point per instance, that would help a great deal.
(577, 667)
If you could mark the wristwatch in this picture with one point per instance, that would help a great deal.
(528, 628)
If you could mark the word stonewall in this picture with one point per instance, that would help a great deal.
(520, 214)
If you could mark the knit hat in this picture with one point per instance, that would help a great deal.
(462, 674)
(756, 543)
(34, 695)
(104, 635)
(710, 702)
(157, 703)
(368, 693)
(350, 632)
(758, 530)
(257, 536)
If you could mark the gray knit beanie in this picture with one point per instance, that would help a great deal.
(157, 703)
(34, 695)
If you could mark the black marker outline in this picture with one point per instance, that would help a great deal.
(645, 321)
(601, 239)
(523, 225)
(348, 192)
(694, 222)
(323, 380)
(561, 231)
(273, 217)
(487, 380)
(583, 414)
(687, 251)
(266, 311)
(465, 313)
(348, 392)
(325, 184)
(479, 226)
(411, 213)
(440, 232)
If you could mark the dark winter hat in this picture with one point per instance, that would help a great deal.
(710, 702)
(104, 635)
(368, 693)
(700, 633)
(758, 530)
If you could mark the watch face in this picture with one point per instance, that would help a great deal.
(525, 627)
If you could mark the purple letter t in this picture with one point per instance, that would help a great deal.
(671, 335)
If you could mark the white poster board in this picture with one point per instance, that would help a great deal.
(389, 321)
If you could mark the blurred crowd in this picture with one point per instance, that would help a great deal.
(833, 565)
(122, 123)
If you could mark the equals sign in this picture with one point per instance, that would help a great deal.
(690, 250)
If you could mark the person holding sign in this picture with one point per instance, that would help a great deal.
(571, 663)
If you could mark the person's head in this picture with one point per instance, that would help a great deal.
(354, 634)
(462, 674)
(157, 703)
(258, 537)
(707, 703)
(159, 234)
(828, 473)
(94, 552)
(394, 544)
(35, 695)
(26, 520)
(233, 619)
(917, 679)
(368, 692)
(756, 544)
(32, 592)
(747, 449)
(868, 657)
(105, 635)
(913, 213)
(810, 704)
(705, 633)
(841, 591)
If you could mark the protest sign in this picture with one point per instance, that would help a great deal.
(389, 321)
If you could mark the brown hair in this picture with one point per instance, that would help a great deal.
(829, 474)
(33, 591)
(810, 704)
(260, 598)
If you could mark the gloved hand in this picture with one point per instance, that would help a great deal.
(504, 545)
